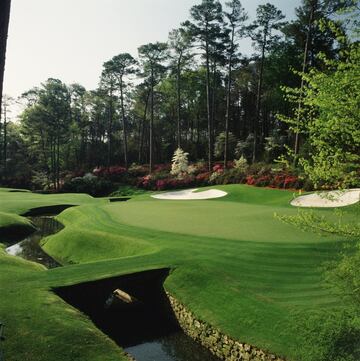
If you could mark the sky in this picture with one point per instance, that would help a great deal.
(71, 39)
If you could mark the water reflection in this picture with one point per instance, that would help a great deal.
(30, 248)
(174, 347)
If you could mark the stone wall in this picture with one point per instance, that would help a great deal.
(219, 344)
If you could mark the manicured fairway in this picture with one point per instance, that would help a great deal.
(234, 264)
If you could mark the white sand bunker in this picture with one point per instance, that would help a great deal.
(328, 199)
(189, 194)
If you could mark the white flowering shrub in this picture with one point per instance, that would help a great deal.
(192, 169)
(180, 163)
(241, 164)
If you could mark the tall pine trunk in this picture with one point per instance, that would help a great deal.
(142, 127)
(208, 109)
(124, 125)
(178, 77)
(151, 150)
(5, 141)
(304, 66)
(258, 100)
(110, 130)
(228, 99)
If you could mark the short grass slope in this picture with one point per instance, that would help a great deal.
(235, 264)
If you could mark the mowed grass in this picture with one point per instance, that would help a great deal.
(235, 265)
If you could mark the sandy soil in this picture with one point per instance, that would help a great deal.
(189, 194)
(331, 199)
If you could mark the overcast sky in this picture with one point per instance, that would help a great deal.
(70, 39)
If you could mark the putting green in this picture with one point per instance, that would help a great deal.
(235, 264)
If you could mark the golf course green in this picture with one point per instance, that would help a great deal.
(234, 265)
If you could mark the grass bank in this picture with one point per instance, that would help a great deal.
(235, 265)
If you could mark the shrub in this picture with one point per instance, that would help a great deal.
(229, 176)
(114, 173)
(180, 163)
(136, 170)
(40, 180)
(126, 191)
(174, 183)
(245, 147)
(241, 164)
(161, 168)
(202, 179)
(218, 168)
(262, 181)
(89, 184)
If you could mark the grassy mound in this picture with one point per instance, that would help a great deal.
(235, 264)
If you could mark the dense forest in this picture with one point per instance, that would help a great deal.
(197, 92)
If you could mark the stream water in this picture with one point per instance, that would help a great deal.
(175, 347)
(148, 332)
(30, 248)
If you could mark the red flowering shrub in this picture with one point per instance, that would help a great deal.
(162, 168)
(278, 181)
(161, 184)
(146, 182)
(262, 181)
(114, 173)
(291, 182)
(250, 180)
(218, 168)
(173, 183)
(203, 178)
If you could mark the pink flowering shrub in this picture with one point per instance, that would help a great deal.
(114, 173)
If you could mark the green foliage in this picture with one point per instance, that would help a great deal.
(89, 184)
(333, 334)
(331, 117)
(311, 220)
(274, 145)
(244, 147)
(40, 180)
(220, 145)
(128, 191)
(329, 335)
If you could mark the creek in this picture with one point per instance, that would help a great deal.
(147, 330)
(30, 248)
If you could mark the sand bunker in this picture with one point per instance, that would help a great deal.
(331, 199)
(189, 194)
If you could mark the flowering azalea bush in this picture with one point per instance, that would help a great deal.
(136, 170)
(114, 173)
(250, 180)
(202, 179)
(182, 175)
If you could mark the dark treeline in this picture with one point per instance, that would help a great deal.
(198, 91)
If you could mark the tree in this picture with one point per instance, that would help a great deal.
(261, 31)
(179, 43)
(4, 26)
(152, 56)
(46, 125)
(180, 163)
(6, 103)
(205, 29)
(80, 126)
(236, 18)
(121, 66)
(331, 116)
(107, 88)
(308, 35)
